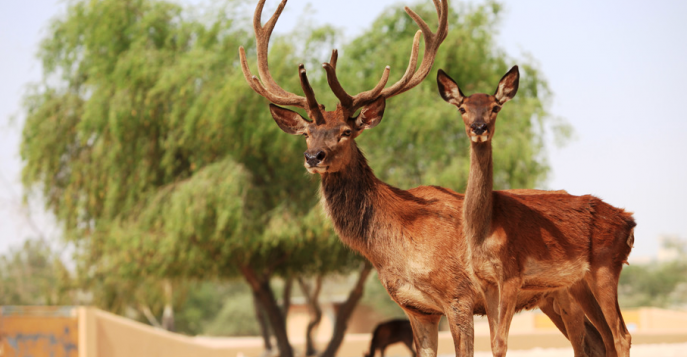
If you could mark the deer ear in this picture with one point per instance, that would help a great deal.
(371, 115)
(508, 86)
(448, 89)
(289, 121)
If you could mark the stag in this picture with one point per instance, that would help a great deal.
(413, 238)
(537, 243)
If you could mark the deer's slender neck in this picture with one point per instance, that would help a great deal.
(351, 200)
(479, 194)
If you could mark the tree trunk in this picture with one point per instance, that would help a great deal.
(149, 315)
(312, 298)
(168, 312)
(261, 288)
(286, 299)
(262, 321)
(345, 311)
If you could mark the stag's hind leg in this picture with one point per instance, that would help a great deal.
(603, 283)
(593, 342)
(573, 318)
(586, 299)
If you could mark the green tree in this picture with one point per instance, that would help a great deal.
(34, 275)
(158, 162)
(660, 284)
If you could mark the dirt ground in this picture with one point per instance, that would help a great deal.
(667, 350)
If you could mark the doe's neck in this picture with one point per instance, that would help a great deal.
(479, 198)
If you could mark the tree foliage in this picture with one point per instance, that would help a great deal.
(660, 284)
(33, 275)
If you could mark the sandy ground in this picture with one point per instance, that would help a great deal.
(672, 350)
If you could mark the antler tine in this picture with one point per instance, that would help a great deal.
(437, 5)
(432, 43)
(333, 80)
(254, 82)
(344, 98)
(371, 95)
(335, 57)
(313, 107)
(353, 103)
(410, 71)
(270, 90)
(262, 37)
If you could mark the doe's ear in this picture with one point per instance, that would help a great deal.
(508, 86)
(371, 115)
(289, 121)
(448, 89)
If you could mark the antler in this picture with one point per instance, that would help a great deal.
(411, 78)
(271, 90)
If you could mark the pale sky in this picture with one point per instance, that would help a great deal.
(615, 68)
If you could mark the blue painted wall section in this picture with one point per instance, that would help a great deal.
(38, 332)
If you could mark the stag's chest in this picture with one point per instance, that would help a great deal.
(412, 292)
(489, 259)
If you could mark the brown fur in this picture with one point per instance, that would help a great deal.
(404, 234)
(544, 243)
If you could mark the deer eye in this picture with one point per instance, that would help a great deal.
(461, 110)
(496, 109)
(346, 133)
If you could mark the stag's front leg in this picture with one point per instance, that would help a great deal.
(461, 321)
(507, 299)
(425, 333)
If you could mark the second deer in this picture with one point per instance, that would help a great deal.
(390, 332)
(525, 243)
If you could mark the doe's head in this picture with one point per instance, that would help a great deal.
(479, 111)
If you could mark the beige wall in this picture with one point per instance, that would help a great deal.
(100, 334)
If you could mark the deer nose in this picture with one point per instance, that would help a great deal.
(314, 159)
(479, 128)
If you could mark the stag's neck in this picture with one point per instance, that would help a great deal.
(479, 201)
(352, 198)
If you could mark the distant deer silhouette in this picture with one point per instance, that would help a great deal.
(390, 332)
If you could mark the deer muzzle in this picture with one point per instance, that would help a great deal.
(479, 132)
